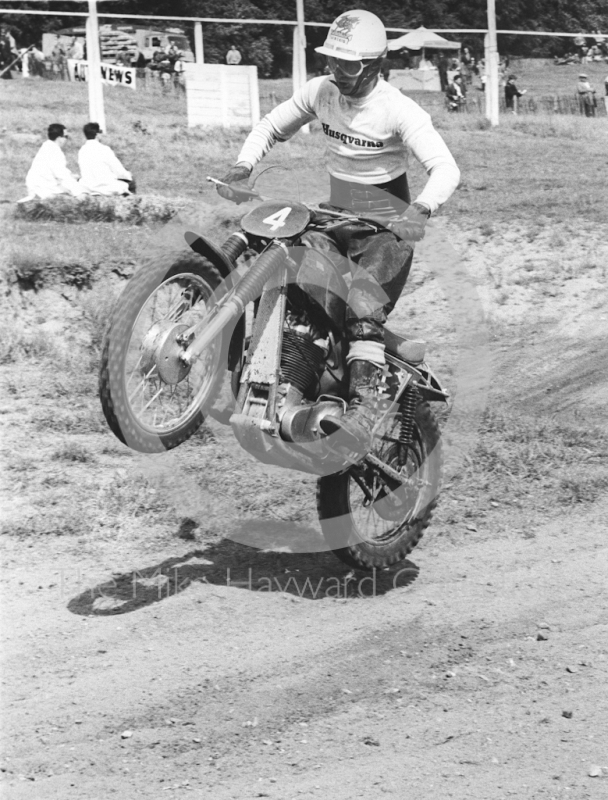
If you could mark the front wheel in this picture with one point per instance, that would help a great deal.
(151, 400)
(368, 524)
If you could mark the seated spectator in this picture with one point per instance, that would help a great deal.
(512, 94)
(49, 175)
(102, 172)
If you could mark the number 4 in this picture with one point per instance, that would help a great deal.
(277, 220)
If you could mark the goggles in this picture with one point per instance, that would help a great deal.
(352, 69)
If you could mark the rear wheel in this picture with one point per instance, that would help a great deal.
(365, 522)
(151, 399)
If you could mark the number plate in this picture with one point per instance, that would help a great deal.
(276, 220)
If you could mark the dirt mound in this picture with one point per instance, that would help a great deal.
(134, 209)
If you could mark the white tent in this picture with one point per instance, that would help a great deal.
(422, 39)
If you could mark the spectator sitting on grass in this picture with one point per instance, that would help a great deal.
(102, 172)
(49, 175)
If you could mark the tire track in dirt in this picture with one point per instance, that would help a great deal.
(319, 679)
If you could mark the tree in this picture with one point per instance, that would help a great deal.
(269, 47)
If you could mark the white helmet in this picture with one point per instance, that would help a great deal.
(355, 35)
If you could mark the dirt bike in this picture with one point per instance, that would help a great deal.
(271, 312)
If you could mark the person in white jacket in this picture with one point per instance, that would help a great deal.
(49, 174)
(101, 170)
(369, 128)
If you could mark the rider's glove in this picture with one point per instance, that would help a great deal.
(237, 174)
(411, 224)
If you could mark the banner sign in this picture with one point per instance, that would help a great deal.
(222, 95)
(111, 74)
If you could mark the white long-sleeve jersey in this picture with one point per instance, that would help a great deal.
(49, 174)
(101, 170)
(367, 138)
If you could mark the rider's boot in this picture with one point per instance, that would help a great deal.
(354, 429)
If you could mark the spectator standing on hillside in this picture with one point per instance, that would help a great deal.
(586, 95)
(60, 64)
(173, 52)
(36, 62)
(77, 49)
(512, 94)
(606, 93)
(7, 55)
(442, 68)
(179, 76)
(579, 43)
(102, 172)
(49, 174)
(124, 57)
(233, 57)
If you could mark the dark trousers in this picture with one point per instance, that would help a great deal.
(380, 262)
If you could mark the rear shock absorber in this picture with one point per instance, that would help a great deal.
(407, 408)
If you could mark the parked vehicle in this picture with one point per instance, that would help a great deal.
(113, 39)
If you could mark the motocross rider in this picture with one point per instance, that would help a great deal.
(369, 127)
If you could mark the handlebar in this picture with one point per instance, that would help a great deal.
(318, 212)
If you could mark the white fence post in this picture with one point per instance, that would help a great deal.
(299, 53)
(492, 67)
(199, 49)
(96, 106)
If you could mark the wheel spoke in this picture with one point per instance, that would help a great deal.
(142, 385)
(156, 404)
(379, 514)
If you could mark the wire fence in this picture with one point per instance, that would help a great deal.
(567, 104)
(273, 92)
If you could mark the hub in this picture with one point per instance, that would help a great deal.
(162, 350)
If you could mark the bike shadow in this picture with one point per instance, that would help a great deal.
(232, 564)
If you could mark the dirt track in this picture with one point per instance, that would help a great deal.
(478, 672)
(440, 688)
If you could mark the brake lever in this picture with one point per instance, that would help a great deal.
(250, 194)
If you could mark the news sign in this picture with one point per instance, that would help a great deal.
(111, 74)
